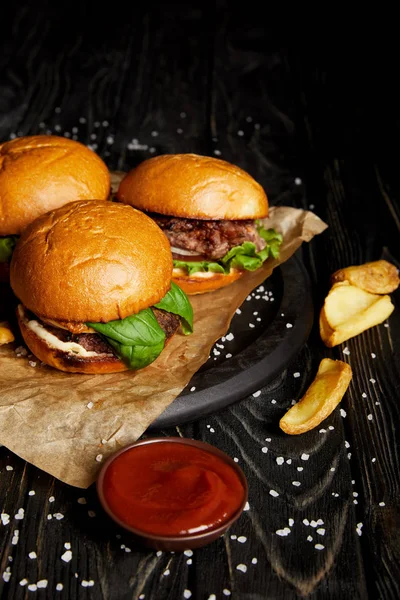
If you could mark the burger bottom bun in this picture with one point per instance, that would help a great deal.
(198, 284)
(67, 361)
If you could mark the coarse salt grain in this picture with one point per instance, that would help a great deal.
(319, 547)
(274, 493)
(31, 493)
(226, 592)
(254, 561)
(343, 413)
(241, 567)
(257, 393)
(346, 351)
(99, 458)
(9, 468)
(280, 460)
(23, 582)
(382, 504)
(58, 516)
(5, 518)
(306, 522)
(229, 337)
(297, 374)
(89, 405)
(59, 587)
(296, 483)
(369, 417)
(309, 538)
(264, 449)
(321, 531)
(67, 556)
(305, 456)
(51, 499)
(42, 583)
(291, 522)
(373, 355)
(32, 555)
(189, 561)
(372, 380)
(32, 587)
(67, 545)
(289, 325)
(242, 539)
(283, 532)
(300, 468)
(187, 594)
(188, 553)
(246, 506)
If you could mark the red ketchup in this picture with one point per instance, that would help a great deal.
(172, 489)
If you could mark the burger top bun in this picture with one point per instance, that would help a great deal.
(42, 172)
(91, 261)
(193, 187)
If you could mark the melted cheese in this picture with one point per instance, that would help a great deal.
(53, 341)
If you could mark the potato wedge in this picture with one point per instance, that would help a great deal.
(348, 311)
(378, 277)
(6, 335)
(321, 398)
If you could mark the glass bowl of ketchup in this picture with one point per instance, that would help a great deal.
(172, 493)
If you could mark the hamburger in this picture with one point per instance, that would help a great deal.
(40, 173)
(93, 281)
(210, 210)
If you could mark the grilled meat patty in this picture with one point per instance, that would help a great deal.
(212, 239)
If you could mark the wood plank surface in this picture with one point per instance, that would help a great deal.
(323, 520)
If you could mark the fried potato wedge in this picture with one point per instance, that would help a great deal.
(378, 277)
(348, 311)
(321, 398)
(6, 335)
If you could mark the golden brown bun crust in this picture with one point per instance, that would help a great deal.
(193, 187)
(91, 261)
(65, 361)
(42, 172)
(196, 285)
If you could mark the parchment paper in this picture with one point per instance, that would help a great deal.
(68, 424)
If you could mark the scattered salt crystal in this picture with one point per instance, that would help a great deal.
(192, 388)
(42, 583)
(51, 499)
(372, 380)
(187, 594)
(296, 483)
(321, 531)
(306, 522)
(291, 522)
(254, 561)
(309, 538)
(373, 355)
(247, 506)
(274, 493)
(49, 517)
(298, 181)
(267, 439)
(31, 493)
(226, 592)
(236, 460)
(242, 539)
(313, 523)
(5, 518)
(322, 431)
(346, 351)
(32, 363)
(374, 460)
(233, 537)
(343, 413)
(9, 468)
(382, 504)
(20, 514)
(23, 582)
(229, 337)
(297, 374)
(89, 405)
(59, 587)
(264, 449)
(32, 555)
(15, 538)
(289, 325)
(67, 556)
(300, 468)
(238, 311)
(283, 532)
(280, 460)
(257, 393)
(228, 355)
(81, 501)
(7, 575)
(158, 553)
(369, 417)
(32, 587)
(241, 567)
(67, 545)
(273, 401)
(319, 547)
(188, 553)
(305, 456)
(189, 561)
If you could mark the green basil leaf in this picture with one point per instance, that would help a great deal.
(136, 357)
(141, 329)
(7, 245)
(176, 302)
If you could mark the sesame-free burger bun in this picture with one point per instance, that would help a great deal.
(193, 187)
(200, 283)
(43, 172)
(91, 261)
(61, 359)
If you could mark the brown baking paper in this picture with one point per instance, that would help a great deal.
(68, 424)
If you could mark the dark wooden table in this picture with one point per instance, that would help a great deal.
(314, 118)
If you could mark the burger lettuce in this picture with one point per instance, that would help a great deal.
(7, 245)
(243, 257)
(139, 339)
